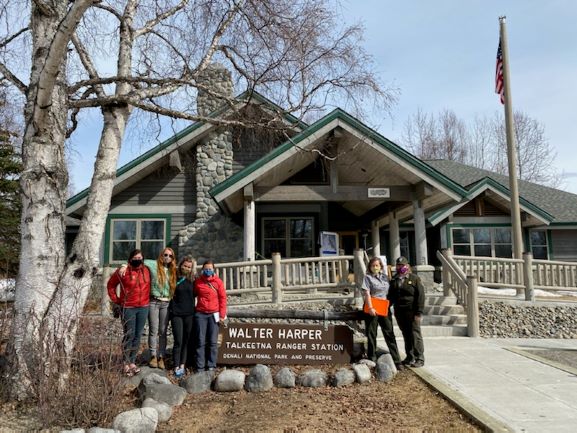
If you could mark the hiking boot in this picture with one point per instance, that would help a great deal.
(417, 364)
(153, 362)
(161, 363)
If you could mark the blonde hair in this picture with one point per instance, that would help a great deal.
(171, 270)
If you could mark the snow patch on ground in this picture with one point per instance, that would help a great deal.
(512, 292)
(7, 289)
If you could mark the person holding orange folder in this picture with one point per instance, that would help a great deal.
(377, 311)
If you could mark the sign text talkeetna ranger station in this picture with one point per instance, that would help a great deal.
(263, 343)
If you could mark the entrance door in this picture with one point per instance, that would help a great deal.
(348, 241)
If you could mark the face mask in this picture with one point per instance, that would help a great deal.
(207, 272)
(403, 269)
(135, 263)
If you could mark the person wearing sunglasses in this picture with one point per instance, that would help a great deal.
(163, 276)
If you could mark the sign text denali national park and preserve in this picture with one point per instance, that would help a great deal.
(264, 343)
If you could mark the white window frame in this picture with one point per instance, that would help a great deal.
(138, 240)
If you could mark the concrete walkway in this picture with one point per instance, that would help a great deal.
(496, 384)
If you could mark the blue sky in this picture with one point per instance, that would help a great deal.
(441, 54)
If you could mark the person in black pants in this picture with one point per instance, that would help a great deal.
(376, 286)
(181, 310)
(407, 296)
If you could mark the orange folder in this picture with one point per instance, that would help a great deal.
(380, 305)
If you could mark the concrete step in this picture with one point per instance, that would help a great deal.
(440, 300)
(444, 309)
(453, 319)
(429, 331)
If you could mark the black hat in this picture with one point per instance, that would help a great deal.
(402, 261)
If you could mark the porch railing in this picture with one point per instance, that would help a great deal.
(464, 287)
(525, 274)
(278, 276)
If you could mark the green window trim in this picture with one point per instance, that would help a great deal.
(450, 243)
(141, 217)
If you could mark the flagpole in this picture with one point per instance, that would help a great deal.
(511, 147)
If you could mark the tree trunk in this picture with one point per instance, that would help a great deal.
(44, 185)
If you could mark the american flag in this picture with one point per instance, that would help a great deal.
(499, 88)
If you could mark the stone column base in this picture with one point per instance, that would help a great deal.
(426, 273)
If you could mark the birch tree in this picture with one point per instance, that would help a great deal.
(482, 143)
(296, 52)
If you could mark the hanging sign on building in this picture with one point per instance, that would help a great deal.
(379, 193)
(264, 343)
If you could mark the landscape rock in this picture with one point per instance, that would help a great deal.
(164, 410)
(285, 378)
(229, 381)
(313, 378)
(259, 379)
(386, 369)
(145, 371)
(343, 377)
(154, 378)
(369, 363)
(362, 372)
(74, 430)
(172, 395)
(198, 382)
(102, 430)
(142, 420)
(524, 320)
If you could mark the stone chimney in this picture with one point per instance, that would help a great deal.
(218, 79)
(212, 234)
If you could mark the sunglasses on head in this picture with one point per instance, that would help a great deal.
(168, 255)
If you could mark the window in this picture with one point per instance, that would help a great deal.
(482, 242)
(292, 237)
(539, 244)
(148, 235)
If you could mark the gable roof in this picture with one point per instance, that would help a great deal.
(561, 206)
(337, 118)
(139, 164)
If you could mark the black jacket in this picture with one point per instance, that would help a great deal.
(182, 302)
(407, 293)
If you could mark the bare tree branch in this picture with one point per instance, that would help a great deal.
(14, 36)
(23, 88)
(56, 52)
(88, 65)
(159, 18)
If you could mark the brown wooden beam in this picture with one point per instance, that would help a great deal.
(325, 193)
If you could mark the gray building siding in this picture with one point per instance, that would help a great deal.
(166, 186)
(564, 245)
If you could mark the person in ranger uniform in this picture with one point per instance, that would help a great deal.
(407, 296)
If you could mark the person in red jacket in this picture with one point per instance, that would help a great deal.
(133, 300)
(209, 314)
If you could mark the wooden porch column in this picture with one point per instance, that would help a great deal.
(249, 232)
(420, 234)
(376, 238)
(395, 238)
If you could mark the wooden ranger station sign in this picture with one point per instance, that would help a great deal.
(263, 343)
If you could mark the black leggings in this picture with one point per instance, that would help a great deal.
(181, 331)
